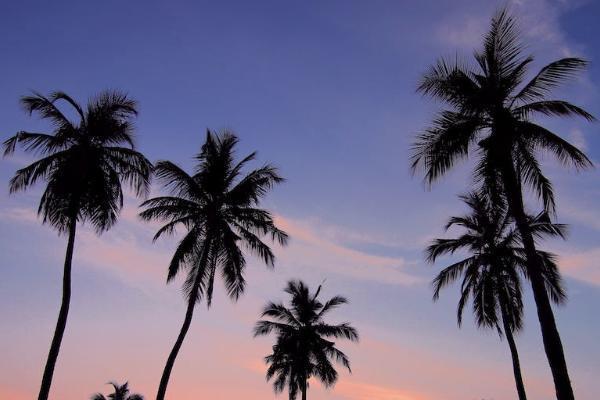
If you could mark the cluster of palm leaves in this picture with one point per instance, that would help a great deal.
(120, 392)
(490, 114)
(302, 349)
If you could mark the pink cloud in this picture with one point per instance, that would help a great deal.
(308, 248)
(583, 266)
(359, 390)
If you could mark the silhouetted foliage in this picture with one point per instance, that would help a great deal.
(491, 111)
(491, 273)
(121, 392)
(303, 348)
(84, 165)
(218, 207)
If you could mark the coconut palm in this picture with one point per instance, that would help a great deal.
(303, 348)
(84, 165)
(491, 274)
(491, 112)
(121, 392)
(218, 207)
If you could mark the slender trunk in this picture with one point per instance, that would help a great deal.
(550, 336)
(304, 391)
(164, 380)
(61, 323)
(515, 358)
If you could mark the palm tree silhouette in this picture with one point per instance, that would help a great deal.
(302, 349)
(84, 165)
(121, 392)
(490, 112)
(219, 209)
(491, 273)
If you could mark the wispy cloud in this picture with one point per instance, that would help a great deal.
(361, 390)
(538, 21)
(310, 249)
(126, 250)
(583, 265)
(577, 138)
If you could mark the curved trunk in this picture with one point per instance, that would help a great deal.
(515, 358)
(61, 323)
(550, 336)
(164, 380)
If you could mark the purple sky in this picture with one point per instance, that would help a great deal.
(326, 91)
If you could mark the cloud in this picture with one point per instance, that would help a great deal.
(310, 249)
(124, 255)
(577, 138)
(19, 214)
(361, 390)
(126, 251)
(586, 216)
(538, 21)
(466, 34)
(583, 266)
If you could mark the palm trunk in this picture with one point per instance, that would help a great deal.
(164, 380)
(515, 358)
(304, 391)
(550, 336)
(61, 323)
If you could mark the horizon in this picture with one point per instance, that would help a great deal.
(325, 91)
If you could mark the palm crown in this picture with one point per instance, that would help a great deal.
(491, 273)
(303, 348)
(493, 106)
(83, 163)
(217, 206)
(121, 392)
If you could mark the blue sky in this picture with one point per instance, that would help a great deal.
(326, 91)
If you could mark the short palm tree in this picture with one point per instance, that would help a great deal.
(121, 392)
(303, 348)
(84, 164)
(491, 274)
(219, 209)
(491, 111)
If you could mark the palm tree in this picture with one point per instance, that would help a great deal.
(302, 349)
(491, 111)
(84, 164)
(121, 393)
(491, 273)
(219, 210)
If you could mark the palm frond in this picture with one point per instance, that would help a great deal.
(450, 274)
(550, 77)
(545, 140)
(552, 108)
(446, 142)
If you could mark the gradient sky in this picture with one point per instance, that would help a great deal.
(326, 91)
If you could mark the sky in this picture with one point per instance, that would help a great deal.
(325, 90)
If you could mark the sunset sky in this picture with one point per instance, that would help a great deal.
(325, 90)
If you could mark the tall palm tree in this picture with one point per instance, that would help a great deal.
(121, 392)
(491, 272)
(84, 164)
(303, 349)
(491, 111)
(219, 209)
